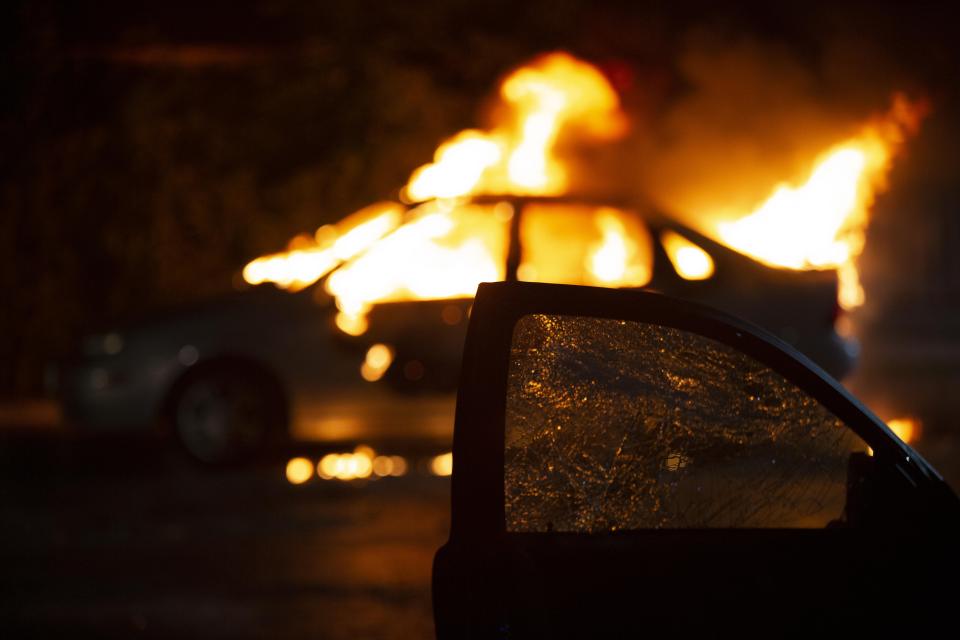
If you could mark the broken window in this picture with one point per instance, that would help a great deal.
(616, 425)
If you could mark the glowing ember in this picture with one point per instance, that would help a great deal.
(442, 465)
(379, 357)
(362, 463)
(354, 324)
(299, 470)
(690, 261)
(907, 429)
(347, 466)
(384, 466)
(554, 94)
(398, 466)
(821, 223)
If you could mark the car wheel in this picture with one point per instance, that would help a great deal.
(224, 416)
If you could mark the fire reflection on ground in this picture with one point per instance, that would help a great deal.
(178, 550)
(364, 463)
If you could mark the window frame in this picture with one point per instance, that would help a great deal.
(477, 491)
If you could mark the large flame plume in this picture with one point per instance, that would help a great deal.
(822, 223)
(447, 244)
(444, 248)
(554, 94)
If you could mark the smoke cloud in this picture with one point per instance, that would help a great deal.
(738, 117)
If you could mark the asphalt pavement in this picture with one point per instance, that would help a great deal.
(109, 537)
(128, 538)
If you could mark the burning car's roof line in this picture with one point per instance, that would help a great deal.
(651, 214)
(648, 211)
(590, 199)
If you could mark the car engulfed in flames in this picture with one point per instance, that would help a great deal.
(501, 204)
(383, 295)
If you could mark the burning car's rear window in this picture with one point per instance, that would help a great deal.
(580, 244)
(614, 425)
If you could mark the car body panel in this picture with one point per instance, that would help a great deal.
(492, 582)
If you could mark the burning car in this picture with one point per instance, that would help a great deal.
(627, 463)
(566, 241)
(229, 373)
(378, 301)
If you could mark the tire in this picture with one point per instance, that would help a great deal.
(224, 416)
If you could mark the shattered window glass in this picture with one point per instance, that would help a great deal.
(615, 425)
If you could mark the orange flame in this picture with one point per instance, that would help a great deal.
(444, 247)
(822, 223)
(579, 244)
(445, 251)
(303, 265)
(447, 248)
(907, 429)
(690, 261)
(555, 93)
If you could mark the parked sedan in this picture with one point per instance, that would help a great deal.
(232, 373)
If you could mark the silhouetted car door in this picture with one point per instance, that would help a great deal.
(630, 463)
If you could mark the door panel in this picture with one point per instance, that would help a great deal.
(627, 464)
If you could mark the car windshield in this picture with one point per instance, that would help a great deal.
(615, 425)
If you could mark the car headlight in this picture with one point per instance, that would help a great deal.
(106, 344)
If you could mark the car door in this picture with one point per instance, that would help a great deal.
(627, 463)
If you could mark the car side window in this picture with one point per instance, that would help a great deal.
(580, 244)
(619, 425)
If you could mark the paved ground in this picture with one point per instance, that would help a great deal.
(108, 539)
(128, 538)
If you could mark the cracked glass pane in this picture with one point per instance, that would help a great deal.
(615, 425)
